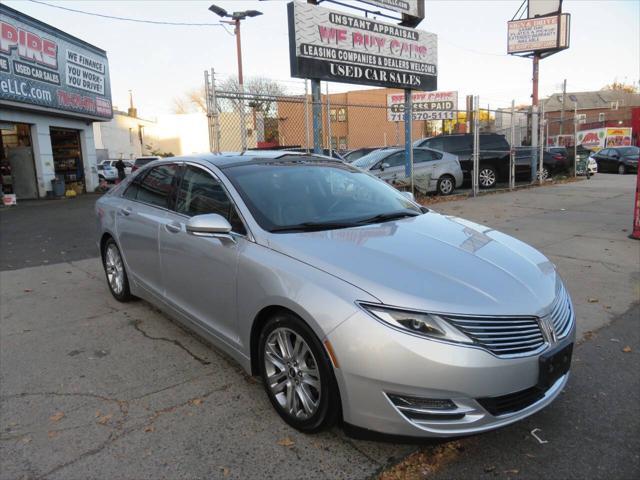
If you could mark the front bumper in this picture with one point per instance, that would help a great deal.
(376, 361)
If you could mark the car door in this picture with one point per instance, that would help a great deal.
(199, 273)
(394, 169)
(425, 163)
(602, 159)
(143, 211)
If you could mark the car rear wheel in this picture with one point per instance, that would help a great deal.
(622, 169)
(297, 375)
(116, 274)
(446, 185)
(543, 174)
(487, 177)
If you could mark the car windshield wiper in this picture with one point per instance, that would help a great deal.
(313, 226)
(383, 217)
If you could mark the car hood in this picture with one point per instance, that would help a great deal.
(431, 262)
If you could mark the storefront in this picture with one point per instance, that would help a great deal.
(53, 86)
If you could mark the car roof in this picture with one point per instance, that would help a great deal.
(229, 159)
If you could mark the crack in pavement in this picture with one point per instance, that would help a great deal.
(136, 324)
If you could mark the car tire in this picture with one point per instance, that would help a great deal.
(544, 173)
(115, 271)
(446, 185)
(288, 377)
(622, 169)
(487, 176)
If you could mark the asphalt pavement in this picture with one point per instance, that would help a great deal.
(91, 388)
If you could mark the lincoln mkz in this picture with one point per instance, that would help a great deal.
(350, 300)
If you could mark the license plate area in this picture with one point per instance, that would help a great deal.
(553, 365)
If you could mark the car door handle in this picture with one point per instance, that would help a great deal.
(173, 227)
(125, 211)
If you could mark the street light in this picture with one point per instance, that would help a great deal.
(236, 17)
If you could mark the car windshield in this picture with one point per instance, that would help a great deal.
(629, 151)
(371, 159)
(308, 195)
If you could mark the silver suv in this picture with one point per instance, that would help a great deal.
(433, 170)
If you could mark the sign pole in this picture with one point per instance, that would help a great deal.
(534, 119)
(330, 145)
(408, 135)
(512, 150)
(317, 115)
(575, 139)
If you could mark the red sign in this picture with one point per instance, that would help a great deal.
(636, 211)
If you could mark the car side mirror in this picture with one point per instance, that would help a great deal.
(384, 165)
(209, 225)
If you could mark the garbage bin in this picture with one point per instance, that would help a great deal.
(57, 185)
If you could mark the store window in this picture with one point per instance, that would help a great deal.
(333, 114)
(342, 114)
(342, 143)
(17, 168)
(67, 158)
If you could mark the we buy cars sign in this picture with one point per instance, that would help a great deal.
(426, 106)
(330, 45)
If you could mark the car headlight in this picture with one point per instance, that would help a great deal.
(420, 323)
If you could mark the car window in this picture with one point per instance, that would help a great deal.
(455, 144)
(156, 185)
(420, 156)
(435, 143)
(200, 193)
(395, 159)
(604, 152)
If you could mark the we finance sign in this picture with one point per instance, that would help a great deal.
(44, 68)
(330, 45)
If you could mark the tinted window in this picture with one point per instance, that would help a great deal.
(493, 142)
(604, 152)
(200, 193)
(629, 150)
(435, 143)
(156, 185)
(454, 144)
(420, 156)
(395, 160)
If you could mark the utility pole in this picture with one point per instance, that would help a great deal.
(564, 96)
(534, 119)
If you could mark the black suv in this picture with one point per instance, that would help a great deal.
(493, 157)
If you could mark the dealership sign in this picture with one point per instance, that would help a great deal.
(426, 106)
(47, 69)
(415, 8)
(330, 45)
(536, 34)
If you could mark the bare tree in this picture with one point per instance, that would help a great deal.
(263, 93)
(180, 105)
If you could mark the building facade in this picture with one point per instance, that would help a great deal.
(53, 86)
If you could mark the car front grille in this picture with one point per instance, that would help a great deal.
(561, 312)
(504, 337)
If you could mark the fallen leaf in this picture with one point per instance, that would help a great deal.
(513, 471)
(149, 428)
(626, 349)
(28, 290)
(286, 442)
(225, 471)
(104, 419)
(529, 455)
(196, 401)
(489, 469)
(26, 439)
(53, 434)
(592, 300)
(98, 413)
(56, 416)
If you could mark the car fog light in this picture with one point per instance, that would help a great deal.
(421, 403)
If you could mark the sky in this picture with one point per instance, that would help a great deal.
(159, 62)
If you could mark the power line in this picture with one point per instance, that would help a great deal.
(136, 20)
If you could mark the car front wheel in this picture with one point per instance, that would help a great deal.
(446, 185)
(622, 169)
(297, 375)
(487, 177)
(116, 274)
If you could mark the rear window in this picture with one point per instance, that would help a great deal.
(494, 142)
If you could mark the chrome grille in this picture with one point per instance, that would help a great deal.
(504, 337)
(561, 312)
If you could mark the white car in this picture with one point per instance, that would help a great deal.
(592, 165)
(112, 163)
(107, 172)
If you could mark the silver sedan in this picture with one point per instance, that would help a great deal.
(351, 301)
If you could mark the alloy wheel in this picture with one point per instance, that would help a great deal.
(621, 169)
(543, 174)
(487, 177)
(114, 268)
(446, 186)
(292, 373)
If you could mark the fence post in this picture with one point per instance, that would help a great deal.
(534, 143)
(512, 152)
(542, 140)
(408, 135)
(575, 139)
(316, 101)
(207, 97)
(476, 144)
(216, 119)
(306, 113)
(330, 145)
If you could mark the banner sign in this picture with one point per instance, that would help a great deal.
(618, 137)
(426, 106)
(43, 67)
(592, 139)
(330, 45)
(534, 34)
(415, 8)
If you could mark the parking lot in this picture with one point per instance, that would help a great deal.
(91, 388)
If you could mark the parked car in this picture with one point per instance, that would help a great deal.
(618, 159)
(325, 151)
(142, 161)
(107, 173)
(128, 165)
(553, 162)
(433, 171)
(353, 155)
(351, 301)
